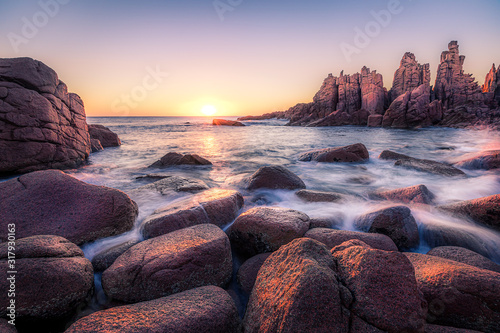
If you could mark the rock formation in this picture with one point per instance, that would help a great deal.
(456, 100)
(42, 126)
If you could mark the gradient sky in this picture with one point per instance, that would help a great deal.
(264, 56)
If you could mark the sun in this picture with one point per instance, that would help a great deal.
(208, 110)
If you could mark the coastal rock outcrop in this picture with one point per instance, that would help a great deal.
(275, 177)
(458, 295)
(486, 160)
(464, 256)
(223, 122)
(265, 229)
(42, 126)
(396, 222)
(105, 136)
(204, 309)
(51, 202)
(491, 86)
(184, 259)
(215, 206)
(53, 278)
(430, 166)
(171, 159)
(352, 153)
(409, 76)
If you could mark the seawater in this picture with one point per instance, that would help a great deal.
(237, 152)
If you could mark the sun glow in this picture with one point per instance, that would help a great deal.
(208, 110)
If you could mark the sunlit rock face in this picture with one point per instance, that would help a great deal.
(181, 260)
(409, 76)
(204, 309)
(458, 295)
(42, 126)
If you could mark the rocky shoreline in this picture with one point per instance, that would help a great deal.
(455, 100)
(224, 259)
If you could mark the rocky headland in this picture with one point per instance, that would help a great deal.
(455, 100)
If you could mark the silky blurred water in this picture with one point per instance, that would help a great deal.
(236, 152)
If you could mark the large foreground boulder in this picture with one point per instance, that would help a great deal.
(408, 195)
(385, 294)
(53, 278)
(106, 137)
(396, 222)
(275, 177)
(352, 153)
(172, 159)
(170, 184)
(42, 126)
(53, 203)
(429, 166)
(265, 229)
(332, 238)
(216, 206)
(165, 265)
(483, 210)
(297, 290)
(459, 295)
(204, 309)
(464, 256)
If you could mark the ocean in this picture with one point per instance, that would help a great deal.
(237, 152)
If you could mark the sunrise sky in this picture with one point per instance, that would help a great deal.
(244, 57)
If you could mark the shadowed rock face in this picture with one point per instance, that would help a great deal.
(216, 206)
(51, 202)
(265, 229)
(247, 273)
(486, 161)
(352, 153)
(459, 295)
(332, 238)
(53, 278)
(171, 159)
(396, 222)
(104, 135)
(165, 265)
(421, 164)
(204, 309)
(42, 126)
(275, 177)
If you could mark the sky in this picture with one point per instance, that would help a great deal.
(244, 57)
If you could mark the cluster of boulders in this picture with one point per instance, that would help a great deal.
(456, 100)
(298, 274)
(42, 126)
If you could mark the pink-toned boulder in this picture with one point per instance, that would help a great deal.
(352, 153)
(223, 122)
(408, 195)
(204, 309)
(275, 177)
(458, 295)
(386, 297)
(95, 145)
(181, 260)
(487, 160)
(464, 256)
(265, 229)
(319, 196)
(105, 136)
(396, 222)
(53, 279)
(53, 203)
(42, 126)
(172, 159)
(216, 206)
(375, 120)
(297, 290)
(485, 210)
(332, 238)
(247, 273)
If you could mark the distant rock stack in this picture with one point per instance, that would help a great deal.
(456, 100)
(42, 126)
